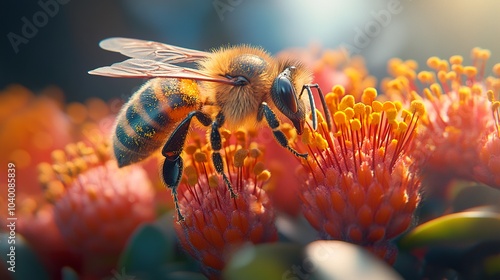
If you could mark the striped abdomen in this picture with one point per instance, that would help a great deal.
(150, 115)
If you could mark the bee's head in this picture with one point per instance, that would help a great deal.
(285, 95)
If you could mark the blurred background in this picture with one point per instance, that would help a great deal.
(55, 42)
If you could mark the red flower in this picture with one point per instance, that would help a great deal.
(458, 119)
(361, 182)
(97, 206)
(215, 224)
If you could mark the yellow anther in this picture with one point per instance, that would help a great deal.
(369, 94)
(451, 75)
(349, 112)
(405, 114)
(72, 169)
(456, 59)
(402, 127)
(355, 124)
(54, 191)
(200, 157)
(476, 89)
(398, 105)
(388, 105)
(417, 107)
(359, 109)
(425, 77)
(190, 170)
(192, 179)
(393, 84)
(58, 156)
(442, 76)
(80, 165)
(339, 91)
(213, 181)
(225, 133)
(241, 136)
(339, 117)
(239, 157)
(368, 110)
(320, 117)
(331, 98)
(412, 64)
(458, 69)
(433, 62)
(321, 143)
(475, 52)
(491, 95)
(264, 176)
(495, 105)
(391, 114)
(496, 69)
(443, 66)
(377, 106)
(84, 149)
(190, 149)
(255, 153)
(60, 168)
(346, 102)
(258, 168)
(436, 90)
(470, 71)
(464, 93)
(307, 138)
(484, 54)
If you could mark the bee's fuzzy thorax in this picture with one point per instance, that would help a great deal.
(239, 103)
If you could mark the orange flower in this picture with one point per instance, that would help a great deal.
(330, 67)
(215, 224)
(458, 119)
(361, 182)
(487, 170)
(31, 128)
(96, 205)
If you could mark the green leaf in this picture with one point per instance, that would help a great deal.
(147, 251)
(329, 259)
(264, 261)
(455, 229)
(69, 273)
(22, 259)
(185, 275)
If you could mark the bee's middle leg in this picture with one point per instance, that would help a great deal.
(273, 122)
(216, 143)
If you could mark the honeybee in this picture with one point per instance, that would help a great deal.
(234, 87)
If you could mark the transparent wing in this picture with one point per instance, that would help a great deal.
(150, 50)
(144, 68)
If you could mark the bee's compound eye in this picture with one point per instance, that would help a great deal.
(283, 94)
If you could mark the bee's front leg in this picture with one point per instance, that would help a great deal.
(273, 122)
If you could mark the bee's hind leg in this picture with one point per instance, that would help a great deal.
(171, 171)
(273, 122)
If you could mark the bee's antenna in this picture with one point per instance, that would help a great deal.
(326, 112)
